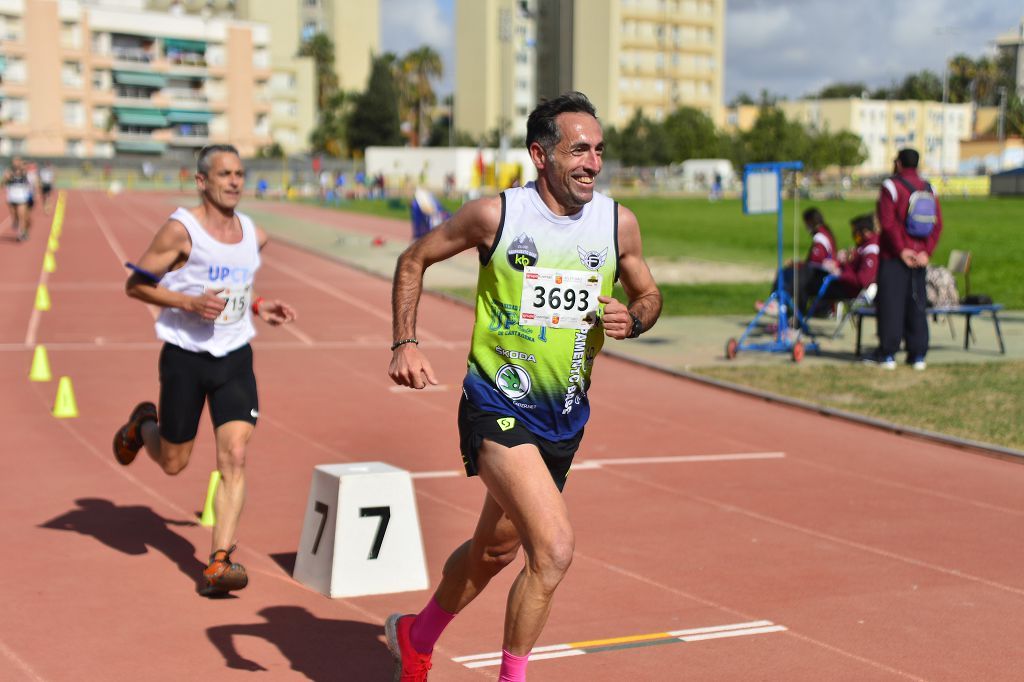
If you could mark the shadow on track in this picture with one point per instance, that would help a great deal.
(131, 530)
(319, 648)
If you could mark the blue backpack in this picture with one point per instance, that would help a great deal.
(922, 211)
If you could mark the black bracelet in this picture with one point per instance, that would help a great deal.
(402, 342)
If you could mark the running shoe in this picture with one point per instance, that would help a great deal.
(222, 575)
(128, 439)
(919, 364)
(410, 665)
(888, 362)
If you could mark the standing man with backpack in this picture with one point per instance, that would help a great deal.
(911, 221)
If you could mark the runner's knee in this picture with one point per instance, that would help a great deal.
(231, 457)
(551, 557)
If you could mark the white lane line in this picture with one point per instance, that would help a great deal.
(100, 343)
(20, 663)
(734, 633)
(115, 246)
(595, 464)
(720, 628)
(758, 627)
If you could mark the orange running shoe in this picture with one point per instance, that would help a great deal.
(410, 665)
(128, 439)
(222, 575)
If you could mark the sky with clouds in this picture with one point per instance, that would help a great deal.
(789, 47)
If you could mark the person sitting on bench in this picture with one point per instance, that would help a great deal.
(854, 269)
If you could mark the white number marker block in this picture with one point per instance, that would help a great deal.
(361, 534)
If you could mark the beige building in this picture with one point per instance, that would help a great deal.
(885, 126)
(95, 79)
(354, 28)
(626, 55)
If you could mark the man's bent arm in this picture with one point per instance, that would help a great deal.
(474, 225)
(170, 246)
(644, 297)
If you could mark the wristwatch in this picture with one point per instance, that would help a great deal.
(637, 329)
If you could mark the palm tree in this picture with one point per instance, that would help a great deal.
(321, 49)
(418, 68)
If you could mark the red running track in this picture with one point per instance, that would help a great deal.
(872, 556)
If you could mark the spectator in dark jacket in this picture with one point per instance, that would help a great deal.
(901, 299)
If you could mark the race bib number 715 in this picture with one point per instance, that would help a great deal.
(561, 299)
(238, 299)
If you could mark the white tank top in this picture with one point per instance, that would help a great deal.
(212, 265)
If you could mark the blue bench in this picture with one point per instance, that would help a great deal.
(967, 311)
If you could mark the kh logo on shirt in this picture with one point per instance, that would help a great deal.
(522, 252)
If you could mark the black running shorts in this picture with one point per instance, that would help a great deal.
(187, 380)
(475, 426)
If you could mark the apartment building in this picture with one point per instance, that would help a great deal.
(354, 28)
(626, 55)
(495, 65)
(1011, 46)
(886, 126)
(95, 79)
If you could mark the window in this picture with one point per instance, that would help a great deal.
(15, 110)
(74, 148)
(309, 29)
(71, 74)
(74, 114)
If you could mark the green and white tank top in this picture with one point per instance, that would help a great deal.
(537, 329)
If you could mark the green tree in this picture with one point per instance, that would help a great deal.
(374, 119)
(330, 135)
(842, 90)
(923, 85)
(775, 138)
(418, 69)
(321, 49)
(690, 134)
(644, 142)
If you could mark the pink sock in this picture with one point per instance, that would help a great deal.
(428, 626)
(513, 668)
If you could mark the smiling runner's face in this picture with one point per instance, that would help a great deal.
(223, 185)
(571, 170)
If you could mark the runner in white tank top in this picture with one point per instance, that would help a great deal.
(200, 270)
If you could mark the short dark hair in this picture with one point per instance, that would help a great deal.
(863, 223)
(908, 157)
(814, 217)
(203, 162)
(541, 126)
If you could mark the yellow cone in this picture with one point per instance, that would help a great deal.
(49, 262)
(207, 518)
(40, 365)
(64, 406)
(42, 298)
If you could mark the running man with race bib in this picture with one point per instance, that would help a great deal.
(549, 255)
(200, 269)
(18, 188)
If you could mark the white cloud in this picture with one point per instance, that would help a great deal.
(410, 24)
(795, 47)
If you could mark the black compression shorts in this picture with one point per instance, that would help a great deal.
(476, 425)
(187, 380)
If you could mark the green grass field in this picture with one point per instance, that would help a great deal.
(676, 228)
(981, 402)
(989, 228)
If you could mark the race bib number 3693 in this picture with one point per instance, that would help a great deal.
(561, 299)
